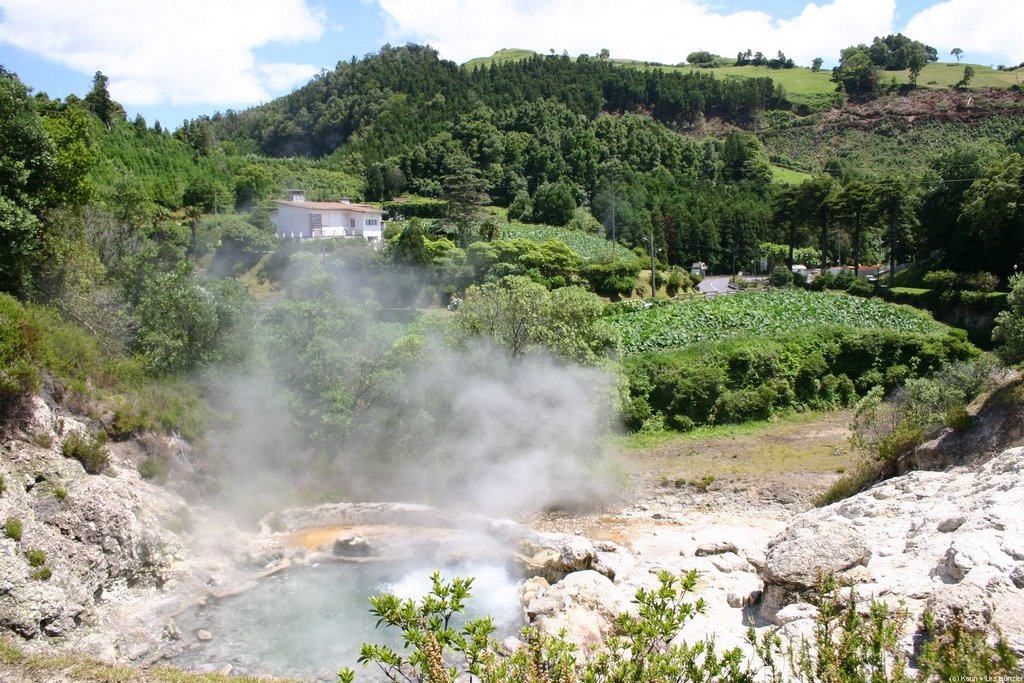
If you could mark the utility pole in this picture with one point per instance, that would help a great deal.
(613, 213)
(892, 254)
(654, 277)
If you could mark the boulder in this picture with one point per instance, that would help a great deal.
(730, 562)
(795, 611)
(613, 561)
(1017, 576)
(584, 604)
(970, 551)
(951, 523)
(351, 546)
(716, 548)
(741, 599)
(805, 551)
(532, 588)
(554, 555)
(968, 603)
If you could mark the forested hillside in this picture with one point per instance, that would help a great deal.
(571, 173)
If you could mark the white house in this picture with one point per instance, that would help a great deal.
(295, 217)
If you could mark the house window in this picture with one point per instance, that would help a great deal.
(371, 222)
(351, 222)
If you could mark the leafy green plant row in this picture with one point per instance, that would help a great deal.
(668, 325)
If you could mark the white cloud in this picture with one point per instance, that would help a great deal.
(990, 27)
(656, 30)
(182, 52)
(281, 76)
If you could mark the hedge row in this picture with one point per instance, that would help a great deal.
(755, 377)
(936, 300)
(417, 208)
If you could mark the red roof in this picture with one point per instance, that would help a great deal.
(330, 206)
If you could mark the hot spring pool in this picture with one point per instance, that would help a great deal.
(306, 622)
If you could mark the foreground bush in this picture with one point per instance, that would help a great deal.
(850, 642)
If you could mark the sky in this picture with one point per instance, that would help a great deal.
(175, 60)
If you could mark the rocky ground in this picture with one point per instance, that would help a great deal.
(125, 557)
(99, 563)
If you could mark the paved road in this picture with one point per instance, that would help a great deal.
(714, 284)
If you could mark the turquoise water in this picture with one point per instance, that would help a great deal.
(307, 622)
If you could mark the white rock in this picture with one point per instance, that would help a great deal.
(730, 562)
(585, 604)
(797, 610)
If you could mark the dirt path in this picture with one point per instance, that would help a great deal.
(757, 477)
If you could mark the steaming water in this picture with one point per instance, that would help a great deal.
(309, 621)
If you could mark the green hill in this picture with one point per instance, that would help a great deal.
(508, 54)
(802, 86)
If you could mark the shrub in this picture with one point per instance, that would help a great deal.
(583, 220)
(957, 653)
(781, 277)
(12, 528)
(941, 280)
(35, 557)
(958, 418)
(815, 368)
(42, 574)
(128, 420)
(859, 286)
(155, 467)
(521, 207)
(677, 281)
(821, 283)
(901, 441)
(1009, 330)
(636, 411)
(90, 451)
(744, 405)
(613, 278)
(19, 347)
(42, 439)
(895, 375)
(983, 282)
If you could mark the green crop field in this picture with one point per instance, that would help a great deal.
(679, 324)
(944, 75)
(787, 176)
(585, 244)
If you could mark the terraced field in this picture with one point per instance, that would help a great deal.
(585, 244)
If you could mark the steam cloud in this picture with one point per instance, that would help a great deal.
(467, 429)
